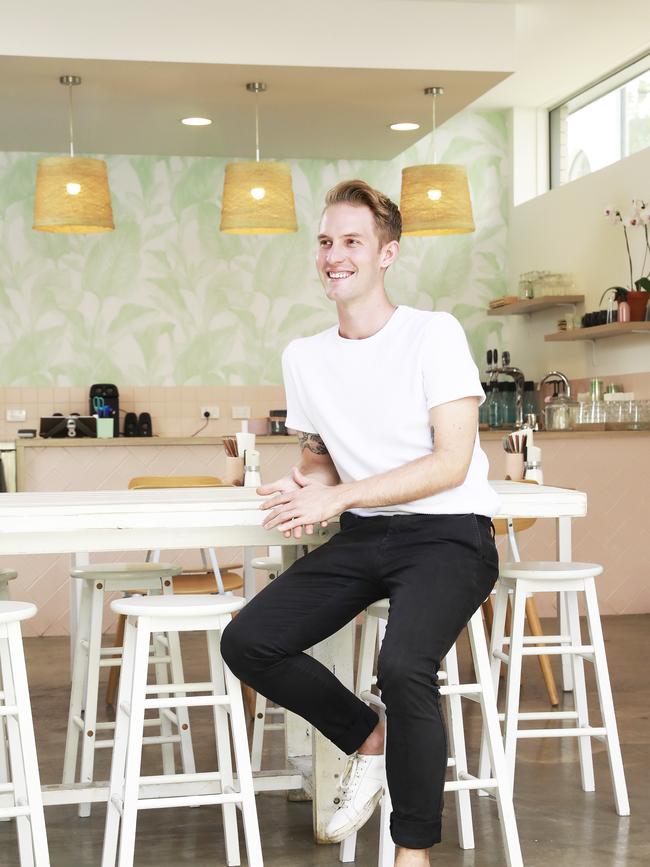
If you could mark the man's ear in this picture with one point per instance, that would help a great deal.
(389, 253)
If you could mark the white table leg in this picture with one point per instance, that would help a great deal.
(77, 561)
(564, 554)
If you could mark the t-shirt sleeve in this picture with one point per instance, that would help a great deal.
(297, 417)
(448, 368)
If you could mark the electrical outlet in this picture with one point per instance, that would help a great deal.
(16, 415)
(241, 412)
(211, 412)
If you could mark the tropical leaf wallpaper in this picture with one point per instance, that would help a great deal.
(167, 299)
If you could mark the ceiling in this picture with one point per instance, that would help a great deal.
(135, 107)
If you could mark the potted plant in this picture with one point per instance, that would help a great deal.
(638, 291)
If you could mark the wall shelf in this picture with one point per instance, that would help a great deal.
(532, 305)
(597, 332)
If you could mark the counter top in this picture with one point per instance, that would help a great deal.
(85, 442)
(80, 442)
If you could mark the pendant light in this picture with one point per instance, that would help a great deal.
(258, 197)
(72, 193)
(435, 198)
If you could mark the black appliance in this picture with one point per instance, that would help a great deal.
(58, 426)
(108, 396)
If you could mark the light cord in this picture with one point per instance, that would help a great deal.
(70, 119)
(257, 127)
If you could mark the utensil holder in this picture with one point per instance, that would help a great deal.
(234, 471)
(514, 466)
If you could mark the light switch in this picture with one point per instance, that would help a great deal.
(16, 415)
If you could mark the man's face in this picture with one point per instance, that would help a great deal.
(350, 258)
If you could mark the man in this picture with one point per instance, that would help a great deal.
(367, 397)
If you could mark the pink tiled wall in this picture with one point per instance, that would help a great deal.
(175, 411)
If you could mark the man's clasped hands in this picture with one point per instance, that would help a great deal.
(300, 504)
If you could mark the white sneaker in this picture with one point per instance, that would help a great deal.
(362, 786)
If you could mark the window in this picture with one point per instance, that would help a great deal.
(602, 124)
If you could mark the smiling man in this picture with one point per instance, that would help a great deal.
(367, 397)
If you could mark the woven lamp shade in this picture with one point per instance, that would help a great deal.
(72, 195)
(258, 199)
(435, 200)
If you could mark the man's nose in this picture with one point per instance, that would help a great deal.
(334, 254)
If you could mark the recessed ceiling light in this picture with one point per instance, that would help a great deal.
(196, 121)
(404, 127)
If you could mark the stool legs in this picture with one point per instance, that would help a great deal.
(503, 790)
(118, 762)
(580, 692)
(243, 762)
(606, 700)
(456, 733)
(124, 791)
(513, 682)
(224, 760)
(30, 820)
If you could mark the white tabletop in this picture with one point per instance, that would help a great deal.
(69, 521)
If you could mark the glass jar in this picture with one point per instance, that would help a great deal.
(530, 399)
(508, 392)
(590, 416)
(483, 408)
(559, 413)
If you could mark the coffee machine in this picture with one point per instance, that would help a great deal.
(110, 398)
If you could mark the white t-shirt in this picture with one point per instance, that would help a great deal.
(369, 401)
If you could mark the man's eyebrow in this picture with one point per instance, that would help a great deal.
(347, 235)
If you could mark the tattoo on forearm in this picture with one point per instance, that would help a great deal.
(433, 435)
(313, 443)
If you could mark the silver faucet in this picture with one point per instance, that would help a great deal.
(558, 375)
(520, 382)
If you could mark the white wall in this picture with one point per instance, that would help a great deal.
(565, 230)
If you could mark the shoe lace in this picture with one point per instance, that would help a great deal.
(350, 775)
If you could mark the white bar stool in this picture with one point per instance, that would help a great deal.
(128, 790)
(567, 580)
(272, 565)
(6, 575)
(463, 782)
(90, 657)
(25, 787)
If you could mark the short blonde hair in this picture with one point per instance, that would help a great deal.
(385, 212)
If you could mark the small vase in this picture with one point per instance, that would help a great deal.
(638, 302)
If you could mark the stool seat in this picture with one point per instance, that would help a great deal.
(177, 606)
(126, 571)
(10, 612)
(7, 574)
(545, 569)
(378, 609)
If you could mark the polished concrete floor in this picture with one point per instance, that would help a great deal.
(559, 824)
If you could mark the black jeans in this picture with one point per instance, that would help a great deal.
(436, 570)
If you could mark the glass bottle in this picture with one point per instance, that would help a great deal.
(494, 406)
